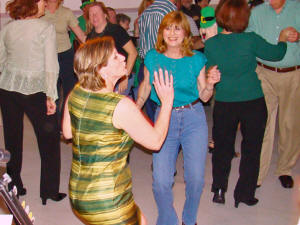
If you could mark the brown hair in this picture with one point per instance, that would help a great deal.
(233, 15)
(122, 18)
(89, 58)
(178, 18)
(58, 2)
(20, 9)
(143, 6)
(86, 15)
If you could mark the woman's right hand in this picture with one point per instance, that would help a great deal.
(163, 84)
(51, 106)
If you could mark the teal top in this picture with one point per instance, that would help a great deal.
(267, 23)
(235, 54)
(82, 25)
(185, 72)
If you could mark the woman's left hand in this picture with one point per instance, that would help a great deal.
(51, 106)
(213, 75)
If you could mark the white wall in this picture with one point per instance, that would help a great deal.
(74, 4)
(129, 7)
(118, 4)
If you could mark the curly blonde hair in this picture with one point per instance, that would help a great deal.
(177, 18)
(89, 58)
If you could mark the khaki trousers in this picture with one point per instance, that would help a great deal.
(282, 95)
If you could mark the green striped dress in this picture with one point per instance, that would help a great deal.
(100, 180)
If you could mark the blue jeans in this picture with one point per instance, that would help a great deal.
(187, 128)
(129, 86)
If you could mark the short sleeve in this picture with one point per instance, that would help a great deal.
(122, 35)
(199, 61)
(149, 59)
(51, 62)
(72, 20)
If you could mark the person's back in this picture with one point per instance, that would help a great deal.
(235, 54)
(99, 157)
(24, 38)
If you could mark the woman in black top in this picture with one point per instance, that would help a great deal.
(99, 26)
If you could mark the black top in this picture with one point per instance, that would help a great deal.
(194, 11)
(118, 33)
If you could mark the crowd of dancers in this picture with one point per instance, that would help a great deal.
(72, 75)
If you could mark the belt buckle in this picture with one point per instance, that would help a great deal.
(179, 107)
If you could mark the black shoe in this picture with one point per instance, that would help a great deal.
(249, 202)
(219, 197)
(184, 223)
(19, 191)
(286, 181)
(22, 192)
(58, 197)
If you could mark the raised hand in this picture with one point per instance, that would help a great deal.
(163, 84)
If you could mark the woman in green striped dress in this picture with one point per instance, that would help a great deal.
(103, 126)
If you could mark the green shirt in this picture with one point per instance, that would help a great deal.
(235, 54)
(82, 25)
(267, 23)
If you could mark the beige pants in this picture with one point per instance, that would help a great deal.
(282, 95)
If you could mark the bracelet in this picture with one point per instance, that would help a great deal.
(209, 89)
(140, 98)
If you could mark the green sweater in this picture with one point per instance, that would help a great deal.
(235, 54)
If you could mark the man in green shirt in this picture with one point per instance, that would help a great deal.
(281, 86)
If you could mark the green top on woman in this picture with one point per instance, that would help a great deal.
(100, 181)
(235, 54)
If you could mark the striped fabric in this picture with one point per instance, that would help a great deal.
(149, 23)
(100, 180)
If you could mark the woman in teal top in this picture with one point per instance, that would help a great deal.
(239, 98)
(188, 126)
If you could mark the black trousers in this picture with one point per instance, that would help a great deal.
(13, 107)
(66, 80)
(252, 116)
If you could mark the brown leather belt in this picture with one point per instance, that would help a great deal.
(279, 70)
(187, 106)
